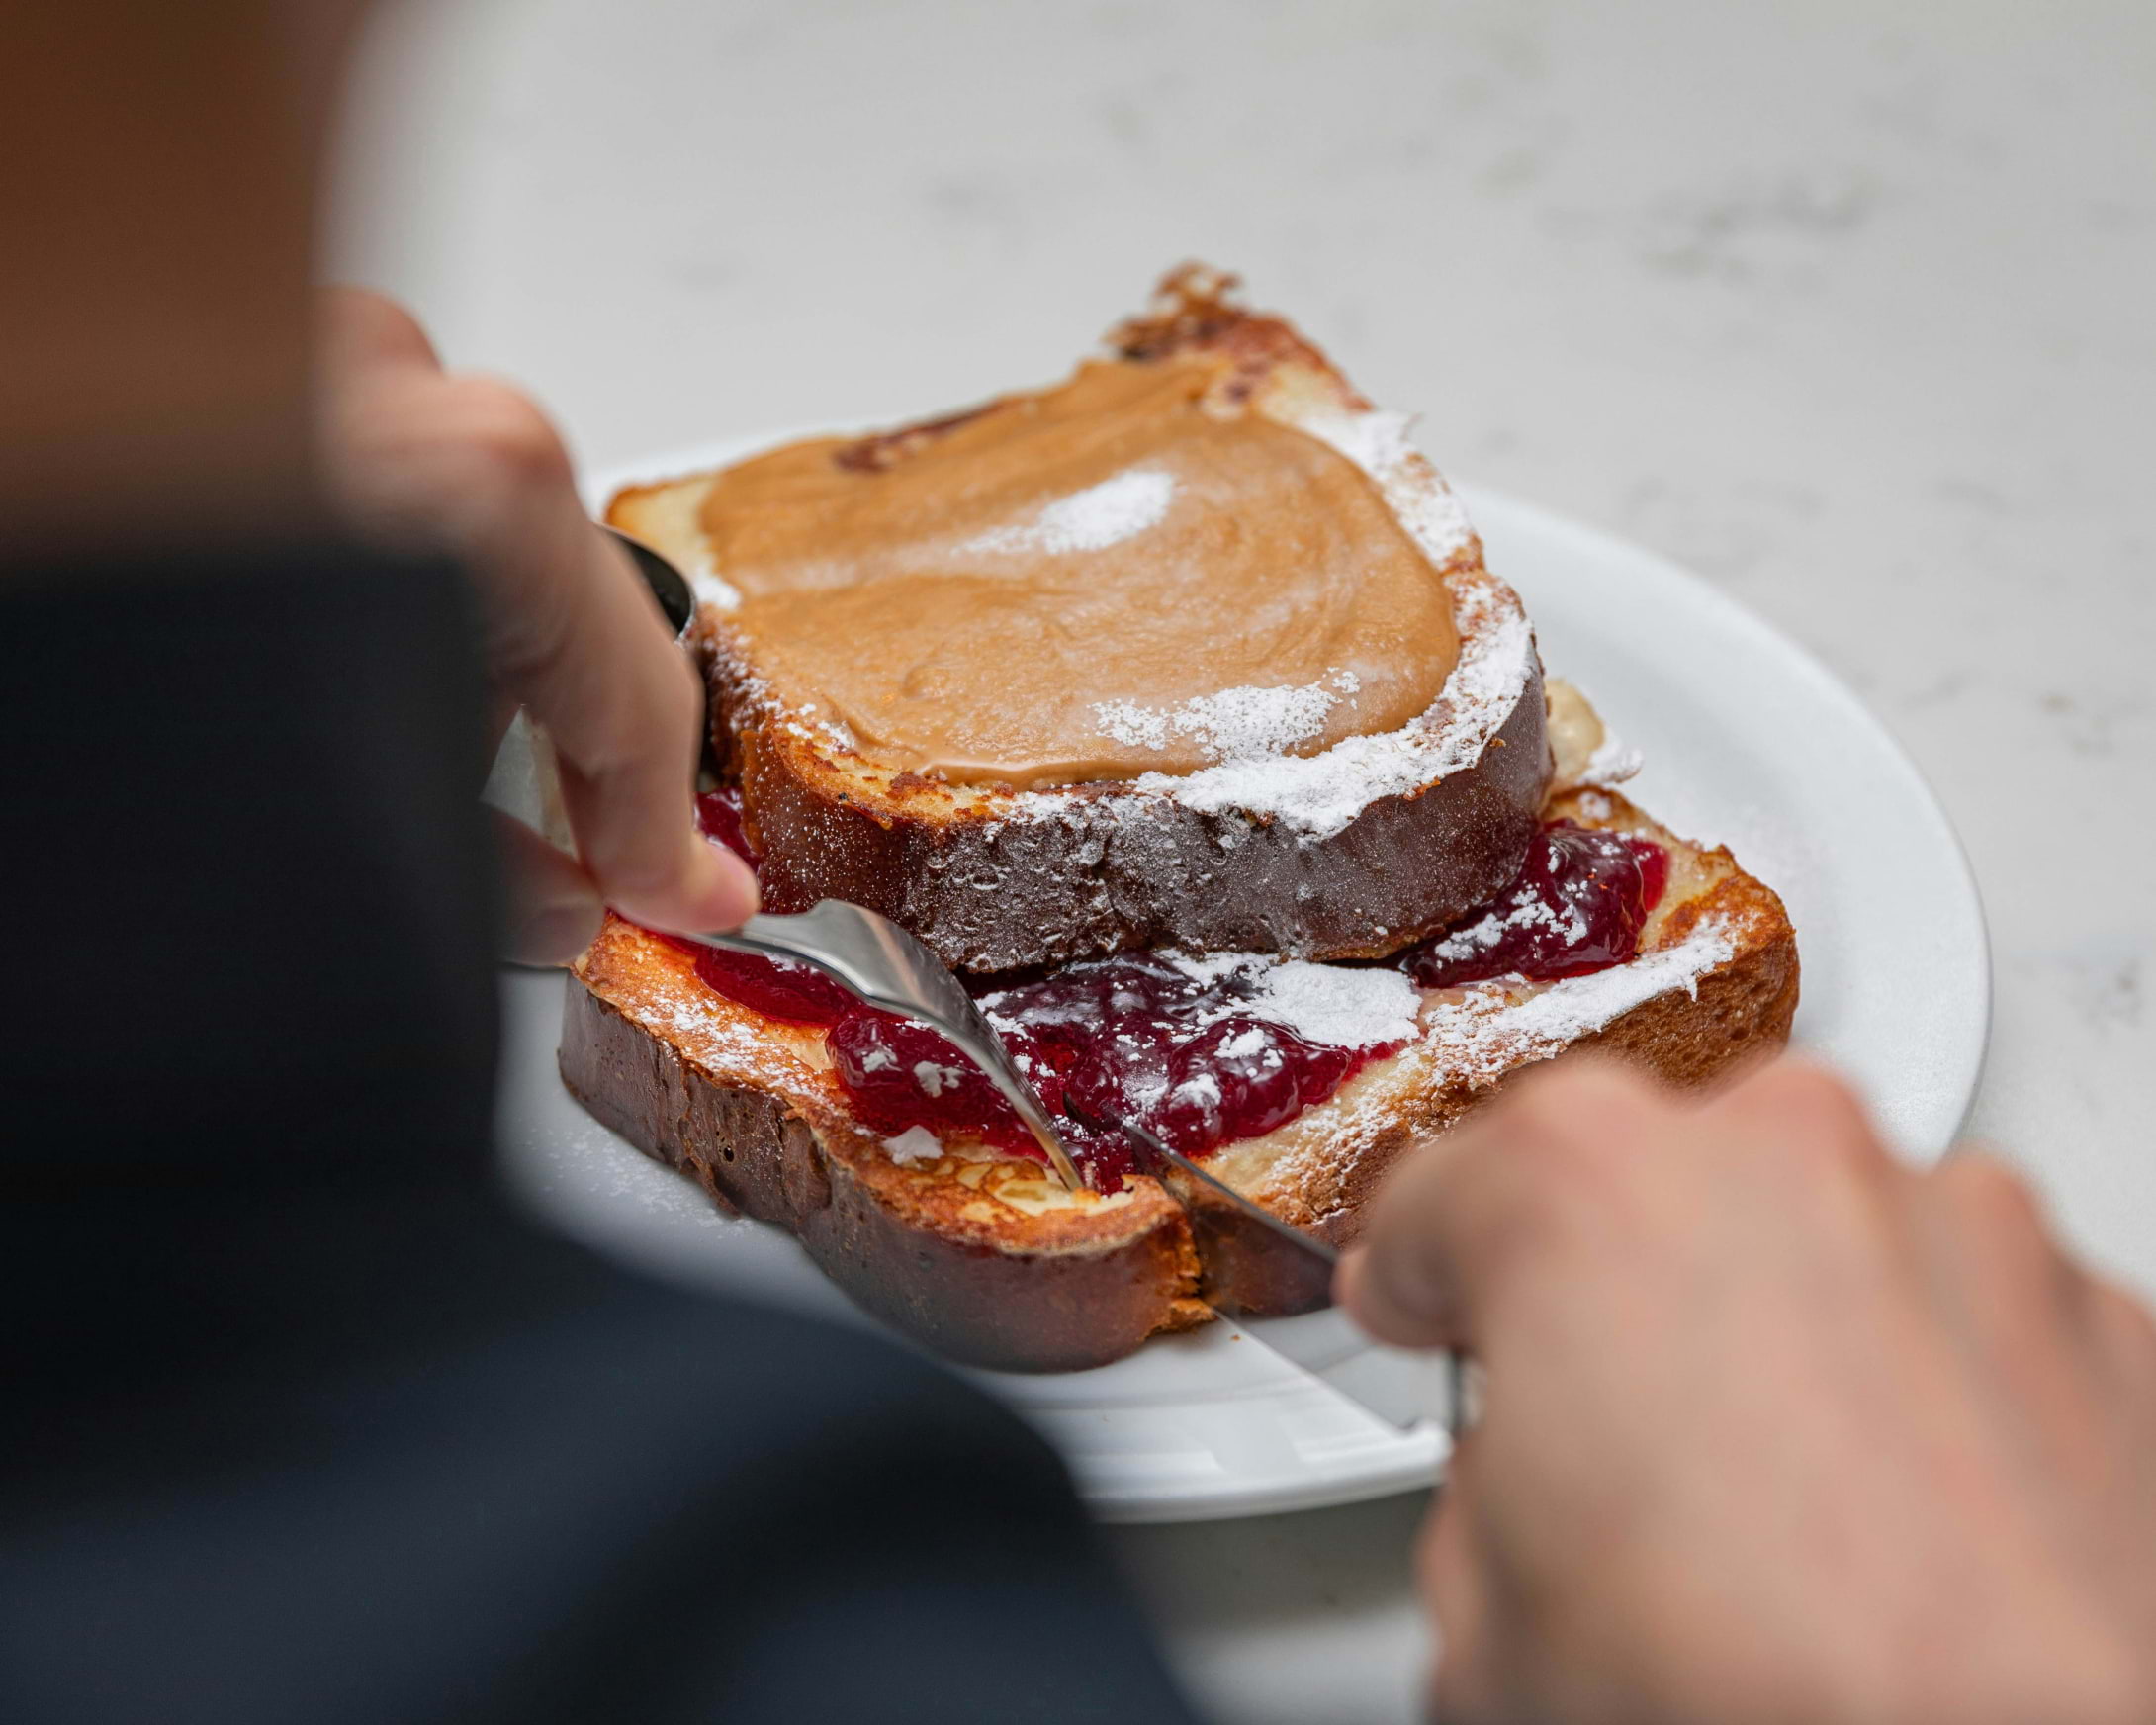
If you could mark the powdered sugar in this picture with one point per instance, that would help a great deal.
(1336, 1005)
(934, 1079)
(915, 1144)
(1319, 794)
(704, 580)
(1378, 442)
(1485, 932)
(1613, 761)
(1484, 1031)
(1237, 724)
(1101, 516)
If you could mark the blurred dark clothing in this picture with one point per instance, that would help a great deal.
(301, 1422)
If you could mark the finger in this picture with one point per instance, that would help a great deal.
(1803, 1109)
(572, 631)
(357, 328)
(622, 703)
(1988, 1248)
(1464, 1209)
(2125, 1335)
(2024, 1317)
(554, 909)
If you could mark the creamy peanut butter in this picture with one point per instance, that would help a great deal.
(1115, 577)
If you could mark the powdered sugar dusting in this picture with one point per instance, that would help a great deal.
(1342, 1006)
(1613, 761)
(1378, 442)
(1237, 724)
(1484, 1031)
(707, 584)
(1118, 509)
(1319, 794)
(1333, 1004)
(915, 1144)
(1132, 725)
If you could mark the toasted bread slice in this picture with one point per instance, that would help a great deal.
(982, 1256)
(1353, 852)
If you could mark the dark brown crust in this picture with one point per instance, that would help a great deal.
(990, 883)
(988, 894)
(970, 1301)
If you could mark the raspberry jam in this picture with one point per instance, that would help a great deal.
(1182, 1047)
(1576, 906)
(718, 813)
(1140, 1037)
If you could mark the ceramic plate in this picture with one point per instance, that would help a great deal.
(1748, 740)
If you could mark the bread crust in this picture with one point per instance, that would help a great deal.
(988, 890)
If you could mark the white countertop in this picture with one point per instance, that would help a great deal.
(1849, 307)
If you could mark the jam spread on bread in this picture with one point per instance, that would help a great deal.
(1578, 906)
(1134, 1037)
(718, 813)
(1133, 572)
(1188, 1047)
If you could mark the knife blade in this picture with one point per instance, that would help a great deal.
(1401, 1387)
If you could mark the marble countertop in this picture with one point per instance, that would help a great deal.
(1847, 307)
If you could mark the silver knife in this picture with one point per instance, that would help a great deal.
(875, 960)
(1401, 1387)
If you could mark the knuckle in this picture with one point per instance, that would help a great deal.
(2128, 1327)
(1992, 1198)
(509, 432)
(1581, 1125)
(371, 315)
(2003, 1226)
(1818, 1121)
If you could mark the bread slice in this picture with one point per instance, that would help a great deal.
(983, 1257)
(1354, 852)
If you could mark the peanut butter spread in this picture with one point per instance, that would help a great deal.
(1127, 574)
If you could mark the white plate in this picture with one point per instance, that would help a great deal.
(1748, 742)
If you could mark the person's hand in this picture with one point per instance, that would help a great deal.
(421, 457)
(1773, 1427)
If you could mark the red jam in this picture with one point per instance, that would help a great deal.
(1180, 1050)
(791, 993)
(1576, 905)
(718, 813)
(1135, 1036)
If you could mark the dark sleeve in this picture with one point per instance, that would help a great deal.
(302, 1424)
